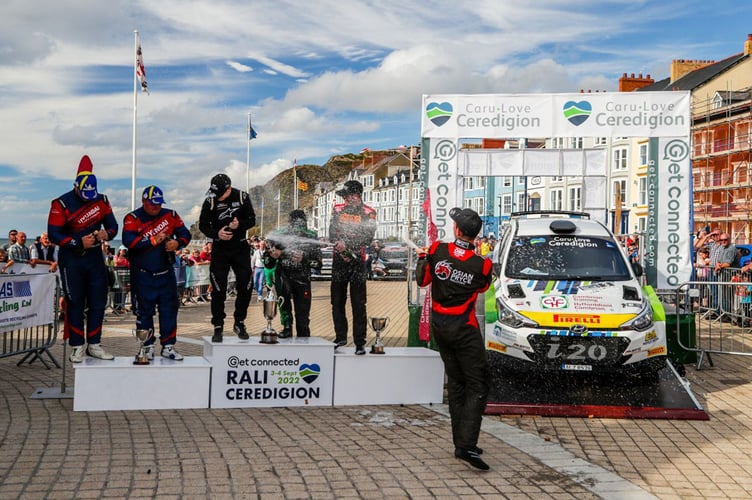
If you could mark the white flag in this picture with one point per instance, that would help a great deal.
(140, 71)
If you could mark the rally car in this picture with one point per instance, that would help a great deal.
(568, 299)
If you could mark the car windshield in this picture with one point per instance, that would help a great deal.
(565, 257)
(396, 253)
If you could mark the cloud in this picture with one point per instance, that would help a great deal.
(242, 68)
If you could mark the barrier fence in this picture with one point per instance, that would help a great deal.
(29, 299)
(722, 306)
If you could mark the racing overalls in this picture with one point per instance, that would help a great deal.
(153, 280)
(83, 272)
(457, 275)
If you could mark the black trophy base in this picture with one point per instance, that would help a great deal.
(377, 349)
(269, 337)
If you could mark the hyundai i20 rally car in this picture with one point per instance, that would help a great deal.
(568, 299)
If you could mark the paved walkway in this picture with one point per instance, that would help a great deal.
(49, 451)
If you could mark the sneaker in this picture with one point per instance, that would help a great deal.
(96, 351)
(169, 352)
(149, 351)
(286, 333)
(240, 330)
(77, 353)
(217, 337)
(471, 458)
(339, 343)
(360, 350)
(259, 298)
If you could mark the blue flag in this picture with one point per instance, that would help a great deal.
(253, 133)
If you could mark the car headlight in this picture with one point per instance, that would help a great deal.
(512, 318)
(642, 321)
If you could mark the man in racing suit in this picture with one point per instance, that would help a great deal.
(457, 275)
(352, 228)
(293, 253)
(152, 235)
(226, 215)
(78, 222)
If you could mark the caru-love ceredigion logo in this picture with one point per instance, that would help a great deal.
(577, 112)
(439, 112)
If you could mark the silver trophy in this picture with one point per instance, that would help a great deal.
(142, 336)
(378, 324)
(270, 302)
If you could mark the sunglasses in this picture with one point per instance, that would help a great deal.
(723, 239)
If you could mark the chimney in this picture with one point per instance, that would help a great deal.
(631, 83)
(681, 67)
(748, 45)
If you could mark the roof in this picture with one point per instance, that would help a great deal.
(695, 78)
(540, 227)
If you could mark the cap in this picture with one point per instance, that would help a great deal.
(467, 220)
(351, 187)
(219, 184)
(297, 215)
(153, 194)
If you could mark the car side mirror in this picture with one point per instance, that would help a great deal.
(637, 268)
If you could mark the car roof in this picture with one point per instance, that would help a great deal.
(541, 227)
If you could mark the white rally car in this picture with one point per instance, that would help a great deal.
(567, 298)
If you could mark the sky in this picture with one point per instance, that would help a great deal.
(319, 78)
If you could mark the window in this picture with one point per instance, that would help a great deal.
(575, 199)
(620, 158)
(557, 201)
(643, 191)
(601, 141)
(620, 191)
(506, 204)
(643, 154)
(468, 183)
(557, 143)
(576, 143)
(520, 202)
(507, 181)
(557, 179)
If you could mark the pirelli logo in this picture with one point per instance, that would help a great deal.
(582, 319)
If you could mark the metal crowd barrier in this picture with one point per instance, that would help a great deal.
(32, 342)
(722, 306)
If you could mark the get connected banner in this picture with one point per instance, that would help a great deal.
(26, 300)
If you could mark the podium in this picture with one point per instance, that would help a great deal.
(298, 371)
(402, 375)
(120, 385)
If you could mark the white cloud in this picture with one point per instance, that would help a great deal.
(243, 68)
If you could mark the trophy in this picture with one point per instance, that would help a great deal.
(378, 325)
(269, 335)
(143, 336)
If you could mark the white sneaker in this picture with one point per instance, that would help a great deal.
(149, 351)
(169, 352)
(96, 351)
(77, 353)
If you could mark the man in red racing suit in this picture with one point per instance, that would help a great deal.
(457, 275)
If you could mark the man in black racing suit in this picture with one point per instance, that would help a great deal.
(457, 275)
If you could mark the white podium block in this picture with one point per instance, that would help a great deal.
(402, 375)
(294, 372)
(121, 385)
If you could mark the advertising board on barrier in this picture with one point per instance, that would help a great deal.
(296, 372)
(26, 300)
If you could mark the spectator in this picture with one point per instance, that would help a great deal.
(226, 215)
(153, 234)
(120, 264)
(722, 254)
(45, 252)
(12, 235)
(372, 256)
(19, 252)
(352, 227)
(293, 252)
(81, 261)
(206, 252)
(257, 262)
(5, 263)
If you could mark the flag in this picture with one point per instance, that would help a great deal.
(424, 331)
(251, 132)
(364, 150)
(294, 163)
(140, 71)
(303, 186)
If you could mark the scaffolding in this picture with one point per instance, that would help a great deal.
(722, 163)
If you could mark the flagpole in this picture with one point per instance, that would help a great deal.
(248, 156)
(279, 205)
(135, 107)
(295, 182)
(262, 216)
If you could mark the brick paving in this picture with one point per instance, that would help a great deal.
(49, 451)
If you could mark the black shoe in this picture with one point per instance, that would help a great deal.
(240, 330)
(339, 343)
(471, 458)
(477, 449)
(217, 337)
(360, 350)
(286, 333)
